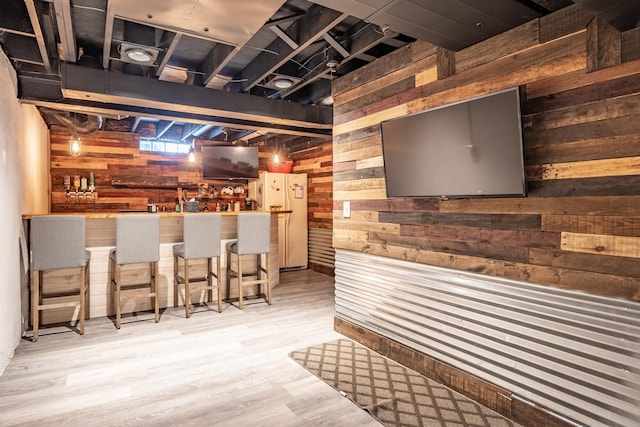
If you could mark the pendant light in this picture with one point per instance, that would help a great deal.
(74, 142)
(192, 155)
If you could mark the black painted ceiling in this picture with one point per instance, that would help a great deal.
(211, 69)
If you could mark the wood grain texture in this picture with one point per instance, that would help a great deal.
(601, 244)
(604, 45)
(115, 158)
(504, 44)
(446, 60)
(318, 165)
(587, 169)
(630, 45)
(581, 145)
(593, 224)
(566, 21)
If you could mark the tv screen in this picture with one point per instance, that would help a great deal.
(229, 162)
(471, 148)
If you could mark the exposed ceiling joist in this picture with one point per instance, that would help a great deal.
(268, 48)
(309, 28)
(285, 37)
(65, 29)
(163, 127)
(34, 15)
(337, 46)
(167, 55)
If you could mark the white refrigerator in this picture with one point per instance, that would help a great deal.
(287, 192)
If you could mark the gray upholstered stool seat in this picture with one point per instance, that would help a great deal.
(254, 238)
(201, 234)
(58, 242)
(137, 242)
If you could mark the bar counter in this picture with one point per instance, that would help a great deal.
(100, 239)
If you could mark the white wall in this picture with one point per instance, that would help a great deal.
(24, 185)
(11, 325)
(34, 162)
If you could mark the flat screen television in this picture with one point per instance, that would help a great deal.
(467, 149)
(229, 162)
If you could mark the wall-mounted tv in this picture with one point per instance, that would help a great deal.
(471, 148)
(229, 162)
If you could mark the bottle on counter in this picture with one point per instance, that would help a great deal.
(178, 206)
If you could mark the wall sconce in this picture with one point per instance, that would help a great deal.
(74, 145)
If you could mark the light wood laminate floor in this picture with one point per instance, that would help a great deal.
(228, 369)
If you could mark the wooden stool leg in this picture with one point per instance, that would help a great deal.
(87, 291)
(187, 295)
(218, 284)
(210, 278)
(155, 291)
(228, 275)
(82, 298)
(268, 284)
(35, 298)
(240, 281)
(117, 295)
(176, 285)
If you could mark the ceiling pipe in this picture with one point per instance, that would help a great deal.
(80, 123)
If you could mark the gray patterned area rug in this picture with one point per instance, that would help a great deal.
(394, 394)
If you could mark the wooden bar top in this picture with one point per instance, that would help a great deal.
(99, 215)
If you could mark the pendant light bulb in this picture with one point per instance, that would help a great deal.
(74, 146)
(74, 142)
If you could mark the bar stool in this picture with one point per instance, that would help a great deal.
(58, 242)
(254, 238)
(137, 242)
(201, 240)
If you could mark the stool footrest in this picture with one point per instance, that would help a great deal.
(73, 293)
(58, 305)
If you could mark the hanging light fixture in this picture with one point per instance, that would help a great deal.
(191, 157)
(74, 141)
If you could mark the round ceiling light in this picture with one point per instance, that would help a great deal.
(282, 83)
(139, 55)
(332, 64)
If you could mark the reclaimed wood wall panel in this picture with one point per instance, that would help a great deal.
(125, 177)
(578, 226)
(317, 163)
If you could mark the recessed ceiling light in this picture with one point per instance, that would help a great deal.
(139, 55)
(282, 83)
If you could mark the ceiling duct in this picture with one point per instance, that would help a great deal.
(80, 123)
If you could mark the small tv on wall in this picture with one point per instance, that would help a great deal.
(227, 162)
(467, 149)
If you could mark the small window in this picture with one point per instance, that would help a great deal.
(169, 147)
(145, 145)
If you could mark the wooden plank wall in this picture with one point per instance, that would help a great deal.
(317, 163)
(578, 228)
(116, 156)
